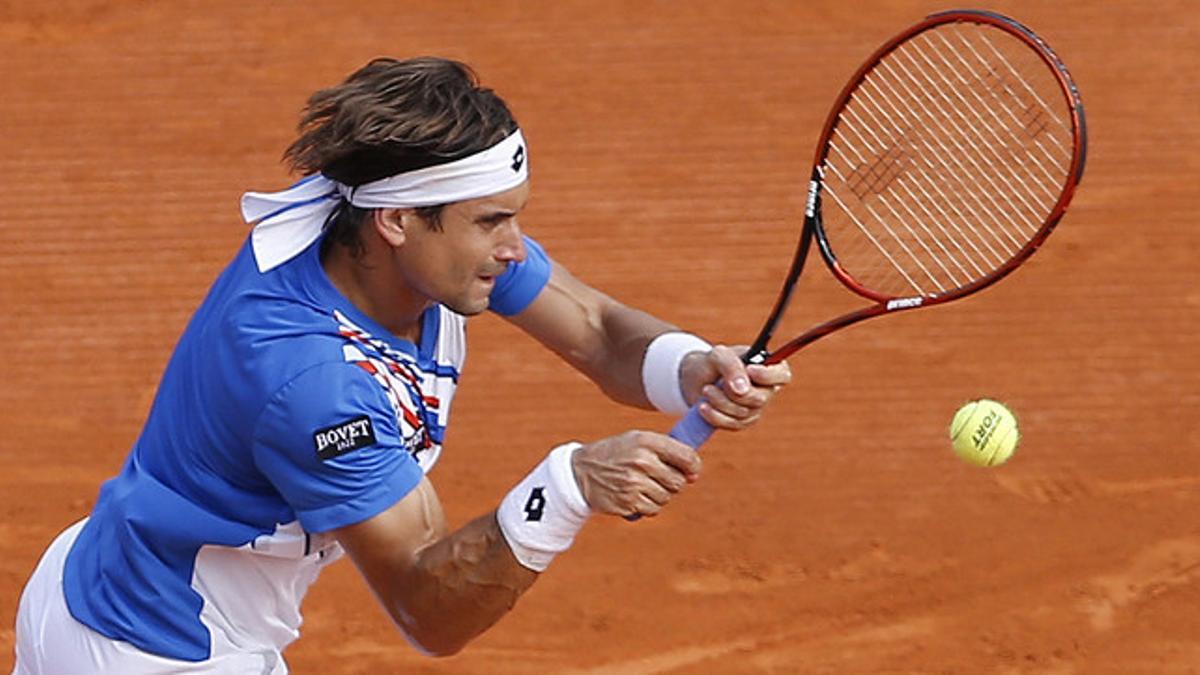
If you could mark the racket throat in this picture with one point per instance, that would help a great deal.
(758, 352)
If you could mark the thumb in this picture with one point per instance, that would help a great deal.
(731, 370)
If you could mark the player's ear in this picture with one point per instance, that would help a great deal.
(393, 224)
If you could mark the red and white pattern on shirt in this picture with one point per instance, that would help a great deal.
(421, 399)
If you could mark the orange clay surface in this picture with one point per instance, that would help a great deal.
(670, 142)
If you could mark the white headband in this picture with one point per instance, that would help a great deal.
(286, 222)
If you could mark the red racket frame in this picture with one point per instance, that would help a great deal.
(812, 219)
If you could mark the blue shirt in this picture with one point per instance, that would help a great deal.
(284, 412)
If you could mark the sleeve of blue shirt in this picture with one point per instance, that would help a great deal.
(329, 442)
(521, 282)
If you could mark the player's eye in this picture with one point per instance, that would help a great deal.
(493, 221)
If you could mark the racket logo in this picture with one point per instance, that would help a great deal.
(810, 206)
(904, 303)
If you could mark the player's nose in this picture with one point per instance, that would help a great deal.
(511, 247)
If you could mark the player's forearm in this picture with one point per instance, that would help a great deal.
(459, 587)
(617, 366)
(475, 575)
(442, 589)
(598, 336)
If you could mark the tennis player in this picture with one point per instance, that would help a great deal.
(309, 396)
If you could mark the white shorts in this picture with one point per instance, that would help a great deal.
(51, 642)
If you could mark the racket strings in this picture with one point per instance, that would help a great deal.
(993, 140)
(939, 208)
(952, 134)
(924, 181)
(1034, 119)
(986, 168)
(963, 210)
(945, 161)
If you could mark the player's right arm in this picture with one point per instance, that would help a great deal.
(444, 588)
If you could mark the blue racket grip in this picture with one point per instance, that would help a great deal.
(691, 430)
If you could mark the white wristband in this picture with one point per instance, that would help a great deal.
(540, 516)
(660, 369)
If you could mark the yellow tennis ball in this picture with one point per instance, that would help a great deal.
(984, 432)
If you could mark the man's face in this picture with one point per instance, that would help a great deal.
(458, 265)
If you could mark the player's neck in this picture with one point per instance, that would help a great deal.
(371, 286)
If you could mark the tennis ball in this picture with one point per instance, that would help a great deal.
(984, 433)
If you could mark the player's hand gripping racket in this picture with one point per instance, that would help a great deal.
(947, 160)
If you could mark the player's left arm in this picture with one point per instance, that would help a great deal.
(607, 341)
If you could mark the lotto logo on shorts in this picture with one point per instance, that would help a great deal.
(339, 439)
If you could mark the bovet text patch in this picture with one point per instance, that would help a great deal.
(339, 439)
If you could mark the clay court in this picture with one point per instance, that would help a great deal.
(669, 145)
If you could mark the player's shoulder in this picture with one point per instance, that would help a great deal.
(266, 328)
(272, 327)
(321, 383)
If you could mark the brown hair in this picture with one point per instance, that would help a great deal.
(393, 116)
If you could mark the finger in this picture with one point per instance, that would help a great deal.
(669, 478)
(758, 398)
(656, 494)
(673, 454)
(717, 399)
(647, 500)
(646, 508)
(720, 420)
(770, 376)
(733, 374)
(740, 350)
(654, 476)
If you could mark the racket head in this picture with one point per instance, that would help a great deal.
(947, 159)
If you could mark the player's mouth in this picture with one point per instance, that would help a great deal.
(490, 277)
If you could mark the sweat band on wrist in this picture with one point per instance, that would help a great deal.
(540, 516)
(660, 369)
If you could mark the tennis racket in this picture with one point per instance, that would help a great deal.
(946, 161)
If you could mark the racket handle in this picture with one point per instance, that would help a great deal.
(691, 430)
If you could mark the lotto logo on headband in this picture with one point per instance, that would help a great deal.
(518, 158)
(339, 439)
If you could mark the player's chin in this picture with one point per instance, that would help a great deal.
(474, 297)
(470, 304)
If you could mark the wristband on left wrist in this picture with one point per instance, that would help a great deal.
(541, 515)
